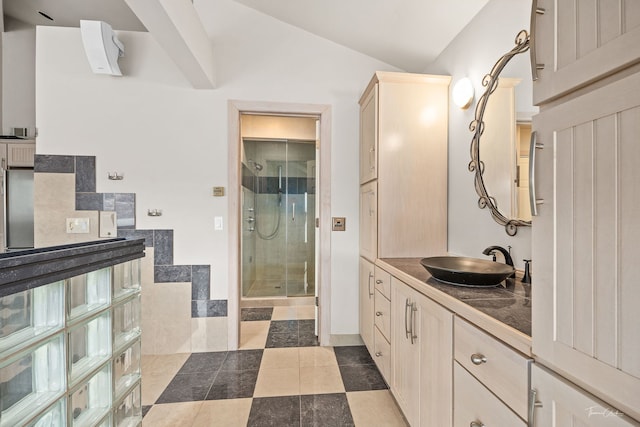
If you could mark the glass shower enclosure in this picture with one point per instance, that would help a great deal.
(278, 218)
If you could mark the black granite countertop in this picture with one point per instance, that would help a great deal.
(27, 269)
(509, 303)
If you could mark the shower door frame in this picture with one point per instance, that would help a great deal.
(323, 210)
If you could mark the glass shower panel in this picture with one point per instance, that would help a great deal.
(277, 210)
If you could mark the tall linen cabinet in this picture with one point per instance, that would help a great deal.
(586, 322)
(403, 213)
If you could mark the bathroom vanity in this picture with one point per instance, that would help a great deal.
(70, 335)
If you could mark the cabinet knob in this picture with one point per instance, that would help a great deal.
(476, 424)
(378, 281)
(378, 313)
(478, 359)
(378, 354)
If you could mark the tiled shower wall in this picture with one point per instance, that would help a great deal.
(178, 314)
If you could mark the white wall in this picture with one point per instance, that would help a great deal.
(18, 76)
(472, 54)
(170, 140)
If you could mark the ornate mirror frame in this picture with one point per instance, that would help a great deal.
(490, 81)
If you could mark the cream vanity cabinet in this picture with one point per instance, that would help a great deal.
(491, 380)
(586, 323)
(422, 357)
(403, 165)
(366, 296)
(375, 314)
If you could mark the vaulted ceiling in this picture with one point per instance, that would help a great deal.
(408, 34)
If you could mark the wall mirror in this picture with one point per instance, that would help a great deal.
(501, 139)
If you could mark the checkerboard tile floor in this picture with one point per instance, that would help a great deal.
(279, 377)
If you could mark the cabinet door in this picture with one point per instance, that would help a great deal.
(366, 298)
(580, 41)
(369, 221)
(406, 317)
(585, 242)
(560, 403)
(369, 136)
(436, 363)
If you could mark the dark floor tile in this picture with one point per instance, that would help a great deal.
(233, 385)
(242, 360)
(145, 409)
(283, 326)
(306, 326)
(353, 355)
(187, 388)
(325, 410)
(251, 314)
(362, 378)
(203, 362)
(275, 411)
(282, 340)
(307, 339)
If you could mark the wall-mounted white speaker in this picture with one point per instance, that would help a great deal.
(102, 47)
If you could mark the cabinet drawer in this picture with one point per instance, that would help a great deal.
(383, 315)
(383, 282)
(472, 402)
(503, 370)
(382, 354)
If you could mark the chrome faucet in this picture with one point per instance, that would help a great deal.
(491, 250)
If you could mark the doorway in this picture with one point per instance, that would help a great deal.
(279, 210)
(278, 214)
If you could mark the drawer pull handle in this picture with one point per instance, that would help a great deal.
(378, 313)
(378, 354)
(476, 424)
(478, 359)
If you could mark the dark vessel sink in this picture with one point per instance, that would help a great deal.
(462, 271)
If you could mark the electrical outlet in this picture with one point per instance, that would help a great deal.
(77, 225)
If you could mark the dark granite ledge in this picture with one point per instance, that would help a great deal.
(22, 270)
(510, 302)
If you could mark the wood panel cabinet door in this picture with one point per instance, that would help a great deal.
(369, 136)
(436, 364)
(560, 403)
(366, 299)
(586, 242)
(369, 221)
(405, 348)
(422, 357)
(581, 41)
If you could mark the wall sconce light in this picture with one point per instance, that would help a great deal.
(154, 212)
(463, 93)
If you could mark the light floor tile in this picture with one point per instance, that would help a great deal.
(278, 382)
(172, 415)
(284, 313)
(375, 408)
(227, 413)
(317, 356)
(305, 312)
(280, 358)
(157, 373)
(321, 380)
(253, 335)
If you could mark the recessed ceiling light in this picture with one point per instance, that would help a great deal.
(45, 15)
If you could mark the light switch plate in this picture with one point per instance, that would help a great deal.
(218, 223)
(339, 223)
(77, 225)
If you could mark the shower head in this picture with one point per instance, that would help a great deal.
(256, 165)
